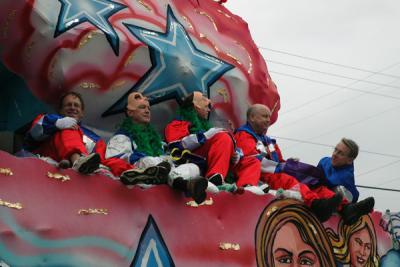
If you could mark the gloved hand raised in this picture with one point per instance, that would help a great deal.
(237, 155)
(213, 131)
(67, 123)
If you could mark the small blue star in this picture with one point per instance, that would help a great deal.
(178, 67)
(97, 12)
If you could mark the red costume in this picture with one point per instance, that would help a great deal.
(260, 161)
(217, 147)
(59, 144)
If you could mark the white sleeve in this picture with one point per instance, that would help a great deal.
(268, 166)
(119, 146)
(190, 142)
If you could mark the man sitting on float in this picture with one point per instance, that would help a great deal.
(192, 131)
(261, 160)
(138, 143)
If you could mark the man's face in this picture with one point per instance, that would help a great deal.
(340, 155)
(141, 113)
(202, 105)
(260, 120)
(72, 107)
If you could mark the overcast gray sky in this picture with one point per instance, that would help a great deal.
(337, 68)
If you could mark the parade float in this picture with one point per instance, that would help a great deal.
(165, 49)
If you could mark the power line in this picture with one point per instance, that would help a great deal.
(331, 93)
(331, 146)
(378, 188)
(379, 167)
(336, 85)
(330, 63)
(361, 151)
(332, 74)
(357, 122)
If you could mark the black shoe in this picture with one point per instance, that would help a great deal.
(216, 179)
(150, 175)
(163, 170)
(196, 187)
(352, 212)
(87, 164)
(64, 164)
(323, 208)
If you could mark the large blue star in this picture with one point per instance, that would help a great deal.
(178, 67)
(97, 12)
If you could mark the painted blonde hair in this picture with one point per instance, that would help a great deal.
(340, 241)
(280, 212)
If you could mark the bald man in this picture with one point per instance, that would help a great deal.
(260, 162)
(139, 144)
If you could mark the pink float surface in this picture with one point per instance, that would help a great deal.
(48, 229)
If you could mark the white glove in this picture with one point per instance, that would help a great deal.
(213, 131)
(237, 155)
(66, 123)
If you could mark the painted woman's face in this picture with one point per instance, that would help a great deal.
(360, 246)
(289, 250)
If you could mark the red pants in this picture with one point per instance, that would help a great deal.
(248, 171)
(218, 151)
(63, 144)
(117, 165)
(325, 192)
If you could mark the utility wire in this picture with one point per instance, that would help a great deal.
(378, 188)
(344, 87)
(332, 106)
(361, 151)
(380, 167)
(333, 74)
(351, 124)
(336, 85)
(331, 146)
(328, 62)
(354, 123)
(331, 93)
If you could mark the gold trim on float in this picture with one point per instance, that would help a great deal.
(6, 171)
(93, 211)
(88, 85)
(10, 205)
(58, 176)
(229, 246)
(144, 5)
(188, 22)
(207, 202)
(209, 18)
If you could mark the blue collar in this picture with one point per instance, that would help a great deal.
(263, 138)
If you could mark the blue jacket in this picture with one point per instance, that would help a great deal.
(340, 176)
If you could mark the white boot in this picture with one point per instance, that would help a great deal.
(212, 188)
(148, 161)
(255, 190)
(186, 171)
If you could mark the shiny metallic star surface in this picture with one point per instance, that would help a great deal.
(178, 66)
(96, 12)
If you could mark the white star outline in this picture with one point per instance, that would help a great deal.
(72, 21)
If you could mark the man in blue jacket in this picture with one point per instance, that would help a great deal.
(339, 169)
